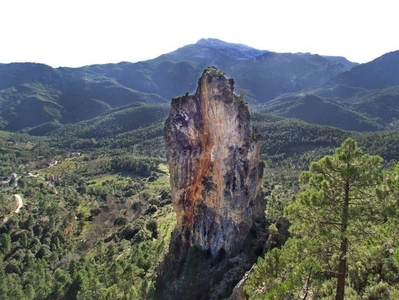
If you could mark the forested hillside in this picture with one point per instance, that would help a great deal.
(96, 213)
(93, 224)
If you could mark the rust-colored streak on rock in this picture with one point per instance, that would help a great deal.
(215, 168)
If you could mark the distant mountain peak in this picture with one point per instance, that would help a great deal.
(216, 43)
(240, 49)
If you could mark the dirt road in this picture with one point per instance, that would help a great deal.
(20, 203)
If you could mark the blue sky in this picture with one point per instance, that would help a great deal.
(77, 33)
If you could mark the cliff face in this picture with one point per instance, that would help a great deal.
(215, 169)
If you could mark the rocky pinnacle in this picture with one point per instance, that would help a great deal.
(215, 169)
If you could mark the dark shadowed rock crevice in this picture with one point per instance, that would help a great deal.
(215, 176)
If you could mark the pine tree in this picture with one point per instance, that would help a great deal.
(338, 203)
(5, 243)
(337, 218)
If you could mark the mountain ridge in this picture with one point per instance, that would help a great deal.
(378, 73)
(35, 94)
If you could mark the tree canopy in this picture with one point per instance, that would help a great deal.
(341, 242)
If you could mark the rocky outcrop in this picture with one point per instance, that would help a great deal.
(215, 170)
(279, 236)
(238, 291)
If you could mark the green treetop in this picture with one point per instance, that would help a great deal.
(339, 222)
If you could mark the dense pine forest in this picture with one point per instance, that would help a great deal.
(88, 220)
(97, 216)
